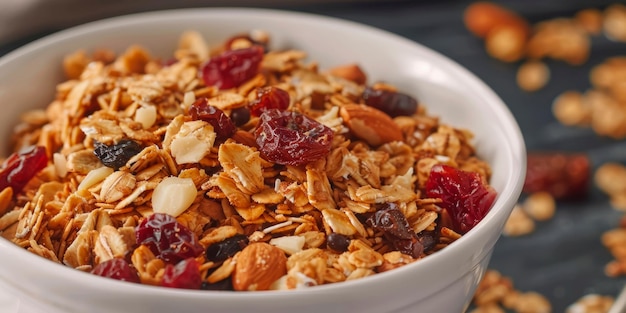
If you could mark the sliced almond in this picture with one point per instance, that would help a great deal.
(173, 195)
(369, 124)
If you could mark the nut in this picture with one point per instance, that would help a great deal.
(350, 72)
(173, 195)
(257, 266)
(482, 17)
(369, 124)
(533, 75)
(507, 42)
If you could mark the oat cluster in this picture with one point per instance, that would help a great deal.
(81, 213)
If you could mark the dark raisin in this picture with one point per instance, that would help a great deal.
(389, 219)
(232, 68)
(292, 138)
(428, 239)
(167, 238)
(118, 269)
(116, 155)
(412, 246)
(21, 167)
(565, 176)
(240, 116)
(184, 275)
(269, 98)
(390, 102)
(338, 242)
(464, 195)
(222, 124)
(225, 249)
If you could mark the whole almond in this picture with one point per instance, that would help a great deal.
(369, 124)
(482, 17)
(350, 72)
(257, 266)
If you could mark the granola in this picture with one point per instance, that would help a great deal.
(133, 141)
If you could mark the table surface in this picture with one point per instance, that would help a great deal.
(563, 258)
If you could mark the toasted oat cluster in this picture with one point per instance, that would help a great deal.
(235, 167)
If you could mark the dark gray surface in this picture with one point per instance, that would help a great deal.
(563, 259)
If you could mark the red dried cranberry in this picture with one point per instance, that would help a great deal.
(390, 102)
(222, 124)
(117, 269)
(225, 249)
(184, 275)
(292, 138)
(116, 156)
(240, 116)
(564, 176)
(232, 68)
(464, 195)
(168, 239)
(22, 166)
(338, 242)
(269, 98)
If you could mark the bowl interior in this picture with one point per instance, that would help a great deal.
(29, 74)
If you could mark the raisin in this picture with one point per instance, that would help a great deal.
(167, 238)
(292, 138)
(118, 269)
(464, 195)
(21, 167)
(225, 249)
(565, 176)
(184, 275)
(269, 98)
(390, 102)
(240, 116)
(391, 221)
(116, 155)
(222, 124)
(232, 68)
(338, 242)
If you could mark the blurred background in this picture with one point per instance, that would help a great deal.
(561, 258)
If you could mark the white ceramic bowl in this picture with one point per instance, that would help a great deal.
(443, 282)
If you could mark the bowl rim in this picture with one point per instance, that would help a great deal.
(506, 197)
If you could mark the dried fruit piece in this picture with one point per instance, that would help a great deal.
(464, 195)
(240, 116)
(167, 238)
(292, 138)
(389, 219)
(21, 167)
(222, 124)
(232, 68)
(338, 242)
(269, 98)
(227, 248)
(116, 268)
(391, 102)
(184, 275)
(116, 155)
(564, 176)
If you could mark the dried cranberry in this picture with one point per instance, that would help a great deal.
(116, 155)
(240, 116)
(338, 242)
(269, 98)
(390, 102)
(222, 124)
(292, 138)
(168, 239)
(464, 195)
(116, 268)
(232, 68)
(225, 249)
(565, 176)
(21, 167)
(184, 275)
